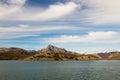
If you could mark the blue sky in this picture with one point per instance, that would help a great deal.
(77, 25)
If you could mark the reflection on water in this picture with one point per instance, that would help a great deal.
(59, 70)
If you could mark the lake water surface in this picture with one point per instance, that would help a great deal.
(60, 70)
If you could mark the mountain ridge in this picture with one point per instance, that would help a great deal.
(52, 52)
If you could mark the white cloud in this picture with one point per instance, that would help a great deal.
(98, 11)
(23, 26)
(15, 2)
(95, 11)
(26, 30)
(16, 11)
(10, 7)
(103, 11)
(54, 11)
(92, 37)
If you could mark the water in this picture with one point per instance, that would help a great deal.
(59, 70)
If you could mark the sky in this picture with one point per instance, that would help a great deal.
(77, 25)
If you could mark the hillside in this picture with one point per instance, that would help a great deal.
(14, 53)
(114, 55)
(55, 53)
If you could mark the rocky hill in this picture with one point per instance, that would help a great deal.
(55, 53)
(50, 49)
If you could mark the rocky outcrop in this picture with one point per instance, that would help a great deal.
(52, 49)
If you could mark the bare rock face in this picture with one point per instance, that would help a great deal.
(52, 49)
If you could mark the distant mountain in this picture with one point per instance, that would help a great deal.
(55, 53)
(110, 55)
(52, 52)
(14, 53)
(52, 49)
(114, 56)
(104, 55)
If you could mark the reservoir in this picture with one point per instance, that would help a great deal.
(60, 70)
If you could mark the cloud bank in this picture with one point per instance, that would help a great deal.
(102, 11)
(26, 30)
(10, 9)
(91, 37)
(92, 11)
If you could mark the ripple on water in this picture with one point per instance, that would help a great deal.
(59, 70)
